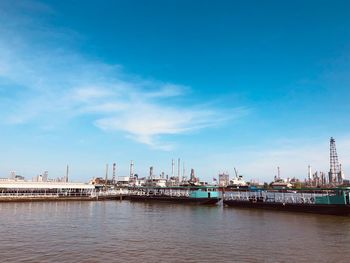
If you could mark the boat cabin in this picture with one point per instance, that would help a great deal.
(340, 197)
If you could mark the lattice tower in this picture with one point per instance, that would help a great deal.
(334, 163)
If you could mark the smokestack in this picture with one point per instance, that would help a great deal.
(151, 172)
(106, 179)
(183, 171)
(193, 177)
(114, 172)
(309, 173)
(172, 168)
(67, 172)
(132, 169)
(341, 175)
(178, 169)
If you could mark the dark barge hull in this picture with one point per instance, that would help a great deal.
(340, 210)
(174, 199)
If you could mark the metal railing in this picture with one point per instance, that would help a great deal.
(265, 196)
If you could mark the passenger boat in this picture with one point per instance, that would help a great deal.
(321, 201)
(185, 195)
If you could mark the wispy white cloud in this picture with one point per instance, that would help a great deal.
(146, 122)
(50, 83)
(168, 90)
(89, 93)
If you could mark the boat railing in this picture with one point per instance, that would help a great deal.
(277, 197)
(161, 193)
(44, 195)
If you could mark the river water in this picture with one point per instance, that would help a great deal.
(122, 231)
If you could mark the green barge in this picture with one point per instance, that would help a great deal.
(200, 195)
(334, 201)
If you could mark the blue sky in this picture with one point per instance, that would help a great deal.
(246, 84)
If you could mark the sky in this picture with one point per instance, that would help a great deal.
(250, 85)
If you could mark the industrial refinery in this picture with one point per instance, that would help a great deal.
(115, 185)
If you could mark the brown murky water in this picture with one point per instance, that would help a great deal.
(115, 231)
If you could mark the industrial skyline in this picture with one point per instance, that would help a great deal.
(235, 84)
(336, 176)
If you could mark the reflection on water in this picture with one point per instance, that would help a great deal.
(141, 232)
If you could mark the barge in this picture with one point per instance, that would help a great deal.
(184, 195)
(320, 201)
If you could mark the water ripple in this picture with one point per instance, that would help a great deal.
(140, 232)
